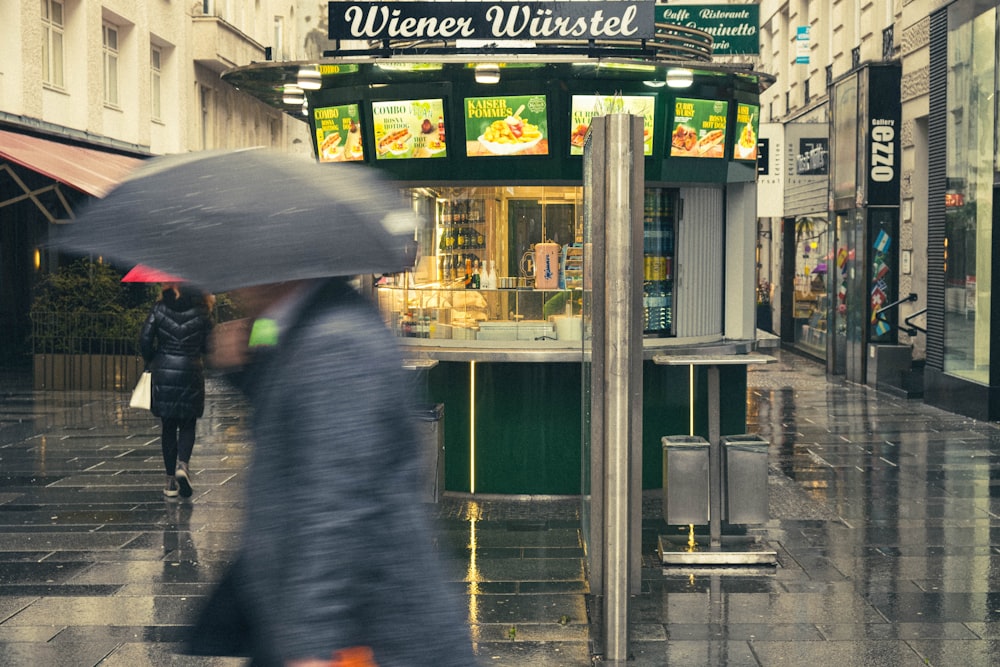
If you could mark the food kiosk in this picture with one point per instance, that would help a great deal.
(487, 144)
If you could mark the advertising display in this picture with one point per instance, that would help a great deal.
(409, 129)
(338, 133)
(506, 125)
(699, 128)
(745, 140)
(585, 107)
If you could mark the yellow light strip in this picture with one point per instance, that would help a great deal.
(691, 399)
(472, 427)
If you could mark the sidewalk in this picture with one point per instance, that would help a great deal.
(882, 512)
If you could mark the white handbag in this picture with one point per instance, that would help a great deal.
(142, 395)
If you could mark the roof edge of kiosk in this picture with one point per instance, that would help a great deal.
(267, 80)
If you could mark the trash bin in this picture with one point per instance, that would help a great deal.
(430, 424)
(746, 478)
(685, 479)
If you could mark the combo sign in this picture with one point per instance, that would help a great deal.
(503, 20)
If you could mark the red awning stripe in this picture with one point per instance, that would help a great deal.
(87, 170)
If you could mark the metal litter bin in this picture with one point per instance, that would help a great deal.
(746, 478)
(685, 479)
(430, 425)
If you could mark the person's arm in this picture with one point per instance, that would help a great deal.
(147, 337)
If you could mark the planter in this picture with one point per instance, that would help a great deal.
(764, 317)
(108, 372)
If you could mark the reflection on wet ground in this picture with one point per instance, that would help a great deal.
(881, 512)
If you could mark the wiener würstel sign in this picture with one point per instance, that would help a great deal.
(501, 20)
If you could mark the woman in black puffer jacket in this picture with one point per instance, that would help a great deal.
(173, 341)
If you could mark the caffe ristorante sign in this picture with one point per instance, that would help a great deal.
(501, 20)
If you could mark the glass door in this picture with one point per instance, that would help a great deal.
(659, 234)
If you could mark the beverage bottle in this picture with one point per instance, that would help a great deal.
(468, 273)
(477, 280)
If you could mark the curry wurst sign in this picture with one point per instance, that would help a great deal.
(540, 20)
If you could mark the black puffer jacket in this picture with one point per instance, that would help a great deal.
(173, 340)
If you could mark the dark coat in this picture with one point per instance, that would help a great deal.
(173, 339)
(337, 550)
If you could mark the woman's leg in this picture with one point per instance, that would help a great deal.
(168, 442)
(185, 439)
(185, 445)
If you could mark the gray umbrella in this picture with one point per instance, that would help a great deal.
(231, 219)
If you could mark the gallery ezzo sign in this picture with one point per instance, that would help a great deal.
(883, 155)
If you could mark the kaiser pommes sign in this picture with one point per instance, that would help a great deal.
(503, 20)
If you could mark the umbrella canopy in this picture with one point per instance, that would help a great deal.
(146, 274)
(232, 219)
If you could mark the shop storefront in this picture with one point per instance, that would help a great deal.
(860, 276)
(805, 233)
(962, 372)
(491, 153)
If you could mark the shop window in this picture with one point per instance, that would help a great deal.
(109, 40)
(814, 265)
(971, 126)
(155, 79)
(53, 27)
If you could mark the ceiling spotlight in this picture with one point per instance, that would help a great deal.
(679, 77)
(309, 78)
(292, 94)
(488, 74)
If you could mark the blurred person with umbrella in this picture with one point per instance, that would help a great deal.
(337, 564)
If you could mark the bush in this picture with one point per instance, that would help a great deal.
(84, 308)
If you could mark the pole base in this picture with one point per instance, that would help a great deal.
(732, 551)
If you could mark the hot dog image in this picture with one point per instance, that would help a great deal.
(388, 141)
(329, 146)
(710, 141)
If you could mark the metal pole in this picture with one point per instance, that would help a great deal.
(621, 345)
(714, 459)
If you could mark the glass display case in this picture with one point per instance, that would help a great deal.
(457, 313)
(478, 282)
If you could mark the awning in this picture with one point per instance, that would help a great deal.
(90, 171)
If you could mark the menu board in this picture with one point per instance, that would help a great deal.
(585, 107)
(515, 125)
(409, 129)
(338, 133)
(745, 141)
(699, 128)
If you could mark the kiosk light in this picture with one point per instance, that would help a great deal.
(309, 78)
(679, 77)
(488, 74)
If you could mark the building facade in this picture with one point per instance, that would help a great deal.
(890, 281)
(89, 88)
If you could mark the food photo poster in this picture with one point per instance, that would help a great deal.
(699, 128)
(338, 133)
(407, 129)
(745, 141)
(506, 125)
(583, 108)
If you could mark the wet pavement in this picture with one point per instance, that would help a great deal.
(882, 513)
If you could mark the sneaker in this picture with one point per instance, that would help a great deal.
(182, 479)
(170, 490)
